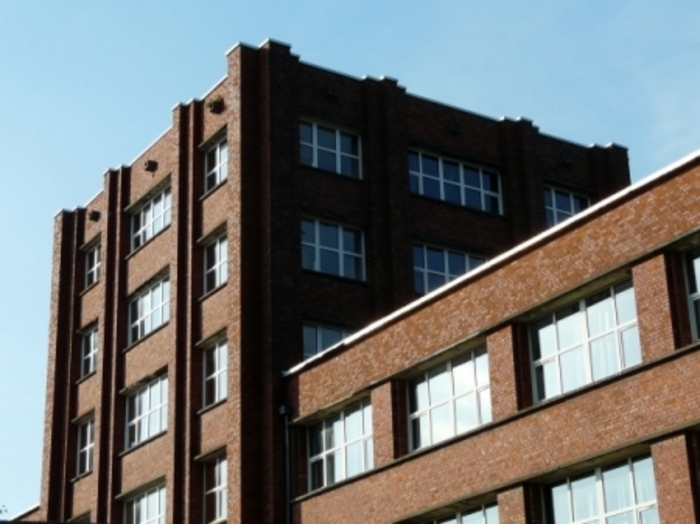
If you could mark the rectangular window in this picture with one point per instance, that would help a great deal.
(215, 264)
(450, 399)
(215, 378)
(151, 218)
(88, 357)
(92, 265)
(318, 337)
(624, 493)
(434, 267)
(693, 280)
(147, 412)
(333, 249)
(341, 446)
(560, 205)
(146, 508)
(215, 493)
(86, 443)
(455, 182)
(587, 341)
(329, 149)
(216, 165)
(482, 515)
(149, 310)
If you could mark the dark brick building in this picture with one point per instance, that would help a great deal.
(292, 207)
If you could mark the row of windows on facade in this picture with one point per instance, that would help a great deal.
(432, 176)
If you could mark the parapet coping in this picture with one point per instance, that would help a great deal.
(609, 202)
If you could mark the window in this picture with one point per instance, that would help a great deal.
(329, 149)
(216, 165)
(215, 495)
(147, 412)
(586, 341)
(88, 357)
(146, 508)
(560, 205)
(332, 248)
(319, 337)
(86, 443)
(624, 493)
(450, 399)
(92, 265)
(693, 279)
(215, 263)
(433, 267)
(151, 218)
(454, 182)
(149, 310)
(341, 446)
(482, 515)
(215, 378)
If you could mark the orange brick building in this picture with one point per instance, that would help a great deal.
(248, 323)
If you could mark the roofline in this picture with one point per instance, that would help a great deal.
(28, 510)
(507, 256)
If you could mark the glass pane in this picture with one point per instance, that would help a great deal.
(315, 439)
(413, 162)
(418, 282)
(466, 413)
(367, 419)
(560, 503)
(583, 494)
(306, 155)
(349, 166)
(349, 144)
(492, 515)
(452, 193)
(441, 422)
(545, 339)
(354, 457)
(631, 350)
(328, 235)
(369, 453)
(317, 474)
(431, 188)
(439, 384)
(329, 337)
(352, 267)
(573, 369)
(308, 232)
(547, 380)
(456, 264)
(308, 257)
(599, 313)
(335, 432)
(310, 344)
(472, 198)
(490, 181)
(548, 197)
(650, 516)
(482, 367)
(414, 183)
(326, 160)
(305, 133)
(471, 177)
(485, 405)
(604, 357)
(419, 395)
(450, 171)
(453, 520)
(579, 203)
(329, 262)
(568, 327)
(435, 281)
(694, 278)
(491, 204)
(436, 259)
(420, 432)
(326, 137)
(622, 518)
(550, 218)
(562, 201)
(463, 374)
(644, 482)
(617, 487)
(418, 256)
(353, 423)
(430, 165)
(351, 241)
(336, 466)
(624, 303)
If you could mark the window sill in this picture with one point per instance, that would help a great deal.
(211, 407)
(145, 337)
(81, 476)
(147, 243)
(142, 443)
(212, 292)
(85, 377)
(212, 190)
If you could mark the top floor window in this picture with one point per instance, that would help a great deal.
(434, 267)
(329, 149)
(151, 218)
(693, 279)
(92, 265)
(586, 341)
(332, 248)
(454, 182)
(216, 165)
(560, 205)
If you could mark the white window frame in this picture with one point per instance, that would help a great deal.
(590, 489)
(149, 309)
(216, 493)
(215, 264)
(310, 150)
(92, 265)
(420, 178)
(88, 352)
(424, 277)
(150, 218)
(450, 399)
(482, 515)
(556, 328)
(312, 250)
(692, 266)
(216, 165)
(556, 214)
(147, 412)
(331, 459)
(148, 507)
(316, 335)
(85, 444)
(215, 373)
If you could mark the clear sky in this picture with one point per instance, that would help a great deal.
(86, 85)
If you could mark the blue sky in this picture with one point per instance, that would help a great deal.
(87, 85)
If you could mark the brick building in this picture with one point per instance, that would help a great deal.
(195, 296)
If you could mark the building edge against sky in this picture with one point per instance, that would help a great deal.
(184, 291)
